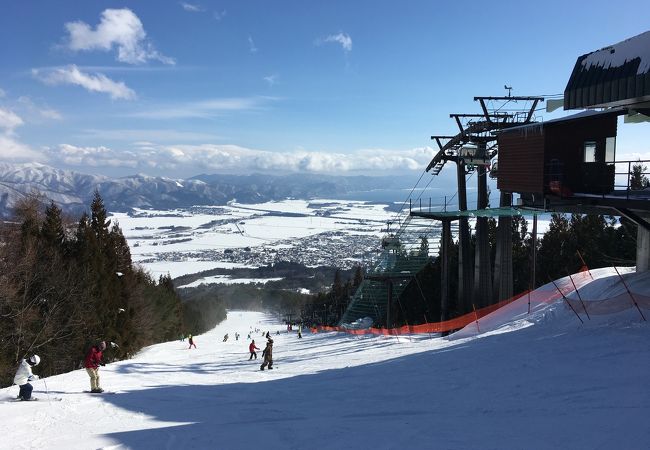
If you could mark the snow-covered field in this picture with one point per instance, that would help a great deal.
(186, 241)
(316, 232)
(538, 381)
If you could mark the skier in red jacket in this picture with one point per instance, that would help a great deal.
(91, 363)
(252, 348)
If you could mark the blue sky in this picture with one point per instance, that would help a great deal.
(344, 87)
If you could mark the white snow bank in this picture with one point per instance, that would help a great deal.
(593, 286)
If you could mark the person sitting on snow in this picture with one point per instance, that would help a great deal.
(24, 375)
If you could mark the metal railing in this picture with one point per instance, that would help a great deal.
(628, 175)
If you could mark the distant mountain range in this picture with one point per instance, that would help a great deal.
(73, 191)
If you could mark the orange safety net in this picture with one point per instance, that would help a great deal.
(434, 327)
(547, 294)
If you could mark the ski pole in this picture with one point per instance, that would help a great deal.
(47, 391)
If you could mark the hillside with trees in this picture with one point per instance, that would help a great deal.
(570, 243)
(65, 285)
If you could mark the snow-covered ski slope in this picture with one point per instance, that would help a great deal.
(525, 381)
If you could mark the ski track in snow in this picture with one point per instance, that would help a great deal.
(543, 381)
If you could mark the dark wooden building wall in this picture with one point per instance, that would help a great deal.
(530, 156)
(521, 160)
(564, 142)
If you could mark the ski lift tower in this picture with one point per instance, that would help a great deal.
(473, 150)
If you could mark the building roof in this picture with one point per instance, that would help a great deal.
(560, 120)
(617, 75)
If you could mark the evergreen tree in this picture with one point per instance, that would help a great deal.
(358, 277)
(337, 287)
(59, 302)
(165, 282)
(424, 246)
(98, 221)
(27, 212)
(52, 231)
(556, 249)
(521, 254)
(598, 239)
(638, 178)
(120, 248)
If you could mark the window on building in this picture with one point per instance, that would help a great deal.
(590, 151)
(610, 149)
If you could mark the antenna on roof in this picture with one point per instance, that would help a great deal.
(509, 88)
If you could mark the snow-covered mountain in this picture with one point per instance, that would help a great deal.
(67, 188)
(511, 380)
(73, 190)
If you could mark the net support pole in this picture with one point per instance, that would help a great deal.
(584, 264)
(567, 301)
(584, 307)
(630, 293)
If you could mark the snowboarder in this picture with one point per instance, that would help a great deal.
(92, 362)
(191, 341)
(225, 338)
(252, 348)
(268, 335)
(299, 331)
(268, 355)
(24, 375)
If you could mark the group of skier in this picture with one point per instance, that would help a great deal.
(94, 359)
(267, 353)
(92, 362)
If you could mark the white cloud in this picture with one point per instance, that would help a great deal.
(342, 38)
(49, 113)
(93, 82)
(44, 112)
(271, 79)
(119, 28)
(2, 93)
(187, 160)
(218, 15)
(9, 121)
(205, 108)
(241, 159)
(192, 8)
(93, 156)
(251, 45)
(10, 147)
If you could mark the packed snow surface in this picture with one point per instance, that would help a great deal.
(542, 380)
